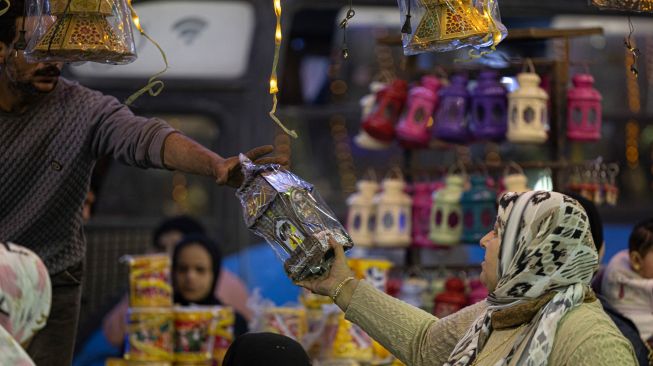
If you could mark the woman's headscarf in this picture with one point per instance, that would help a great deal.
(25, 298)
(216, 263)
(546, 261)
(254, 349)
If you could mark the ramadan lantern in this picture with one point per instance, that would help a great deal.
(489, 115)
(363, 139)
(85, 30)
(528, 117)
(446, 214)
(478, 206)
(451, 300)
(393, 217)
(361, 217)
(422, 203)
(478, 292)
(450, 121)
(290, 214)
(584, 112)
(380, 123)
(514, 182)
(414, 129)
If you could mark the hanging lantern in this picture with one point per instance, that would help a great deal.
(393, 219)
(380, 124)
(528, 120)
(515, 181)
(451, 300)
(478, 210)
(450, 123)
(86, 30)
(361, 217)
(446, 214)
(489, 108)
(584, 112)
(422, 203)
(414, 129)
(478, 292)
(363, 139)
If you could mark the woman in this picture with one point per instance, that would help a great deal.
(25, 297)
(628, 280)
(538, 264)
(196, 264)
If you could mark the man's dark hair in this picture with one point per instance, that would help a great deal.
(641, 238)
(184, 224)
(8, 21)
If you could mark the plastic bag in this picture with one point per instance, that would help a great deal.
(445, 25)
(193, 340)
(292, 217)
(150, 334)
(222, 331)
(80, 30)
(624, 5)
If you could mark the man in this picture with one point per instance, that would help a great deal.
(51, 133)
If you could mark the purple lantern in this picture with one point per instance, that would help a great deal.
(414, 129)
(489, 120)
(584, 112)
(450, 124)
(422, 202)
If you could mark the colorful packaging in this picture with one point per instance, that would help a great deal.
(150, 334)
(193, 342)
(291, 322)
(222, 331)
(351, 342)
(149, 281)
(115, 362)
(144, 363)
(375, 271)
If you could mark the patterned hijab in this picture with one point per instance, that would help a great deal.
(547, 259)
(25, 297)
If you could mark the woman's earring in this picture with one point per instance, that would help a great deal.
(636, 267)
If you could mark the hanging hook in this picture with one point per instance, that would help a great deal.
(343, 25)
(630, 45)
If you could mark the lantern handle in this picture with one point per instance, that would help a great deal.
(370, 174)
(396, 172)
(461, 168)
(528, 64)
(513, 165)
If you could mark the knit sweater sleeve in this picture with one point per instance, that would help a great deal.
(412, 335)
(130, 139)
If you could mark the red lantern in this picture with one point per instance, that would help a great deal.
(452, 299)
(584, 112)
(380, 124)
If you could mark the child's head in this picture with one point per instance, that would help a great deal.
(640, 246)
(195, 268)
(172, 230)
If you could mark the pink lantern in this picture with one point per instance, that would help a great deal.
(380, 124)
(584, 112)
(422, 202)
(414, 129)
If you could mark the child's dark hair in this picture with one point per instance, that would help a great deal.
(641, 238)
(8, 21)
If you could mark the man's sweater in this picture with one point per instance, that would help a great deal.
(47, 156)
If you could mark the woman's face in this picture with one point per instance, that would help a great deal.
(642, 264)
(490, 266)
(194, 273)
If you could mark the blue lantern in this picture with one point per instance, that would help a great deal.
(478, 206)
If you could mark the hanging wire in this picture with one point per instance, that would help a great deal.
(343, 25)
(407, 28)
(6, 8)
(628, 42)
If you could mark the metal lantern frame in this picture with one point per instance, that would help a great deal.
(528, 120)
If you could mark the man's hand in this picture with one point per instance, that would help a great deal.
(228, 171)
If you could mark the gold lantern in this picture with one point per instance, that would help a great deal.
(449, 20)
(82, 32)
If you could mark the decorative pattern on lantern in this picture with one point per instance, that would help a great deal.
(380, 124)
(478, 210)
(83, 32)
(584, 112)
(450, 122)
(361, 218)
(446, 214)
(414, 129)
(363, 139)
(447, 20)
(528, 120)
(422, 204)
(489, 117)
(393, 218)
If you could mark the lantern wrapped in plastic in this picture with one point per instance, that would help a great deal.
(450, 118)
(584, 112)
(81, 30)
(528, 118)
(414, 129)
(363, 139)
(489, 117)
(292, 217)
(446, 215)
(422, 203)
(380, 123)
(625, 5)
(393, 218)
(361, 218)
(478, 210)
(150, 334)
(445, 25)
(149, 280)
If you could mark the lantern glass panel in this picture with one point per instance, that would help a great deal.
(480, 112)
(529, 114)
(453, 219)
(486, 217)
(419, 115)
(469, 219)
(357, 222)
(591, 117)
(371, 222)
(438, 217)
(402, 221)
(497, 111)
(577, 115)
(513, 115)
(389, 110)
(388, 220)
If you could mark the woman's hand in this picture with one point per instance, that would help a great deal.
(339, 272)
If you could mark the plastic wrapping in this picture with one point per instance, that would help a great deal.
(624, 5)
(292, 217)
(150, 335)
(193, 342)
(222, 331)
(149, 280)
(80, 30)
(351, 342)
(445, 25)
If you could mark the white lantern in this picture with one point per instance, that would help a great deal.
(393, 214)
(527, 106)
(361, 217)
(515, 181)
(447, 214)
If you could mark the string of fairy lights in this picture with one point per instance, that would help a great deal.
(634, 106)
